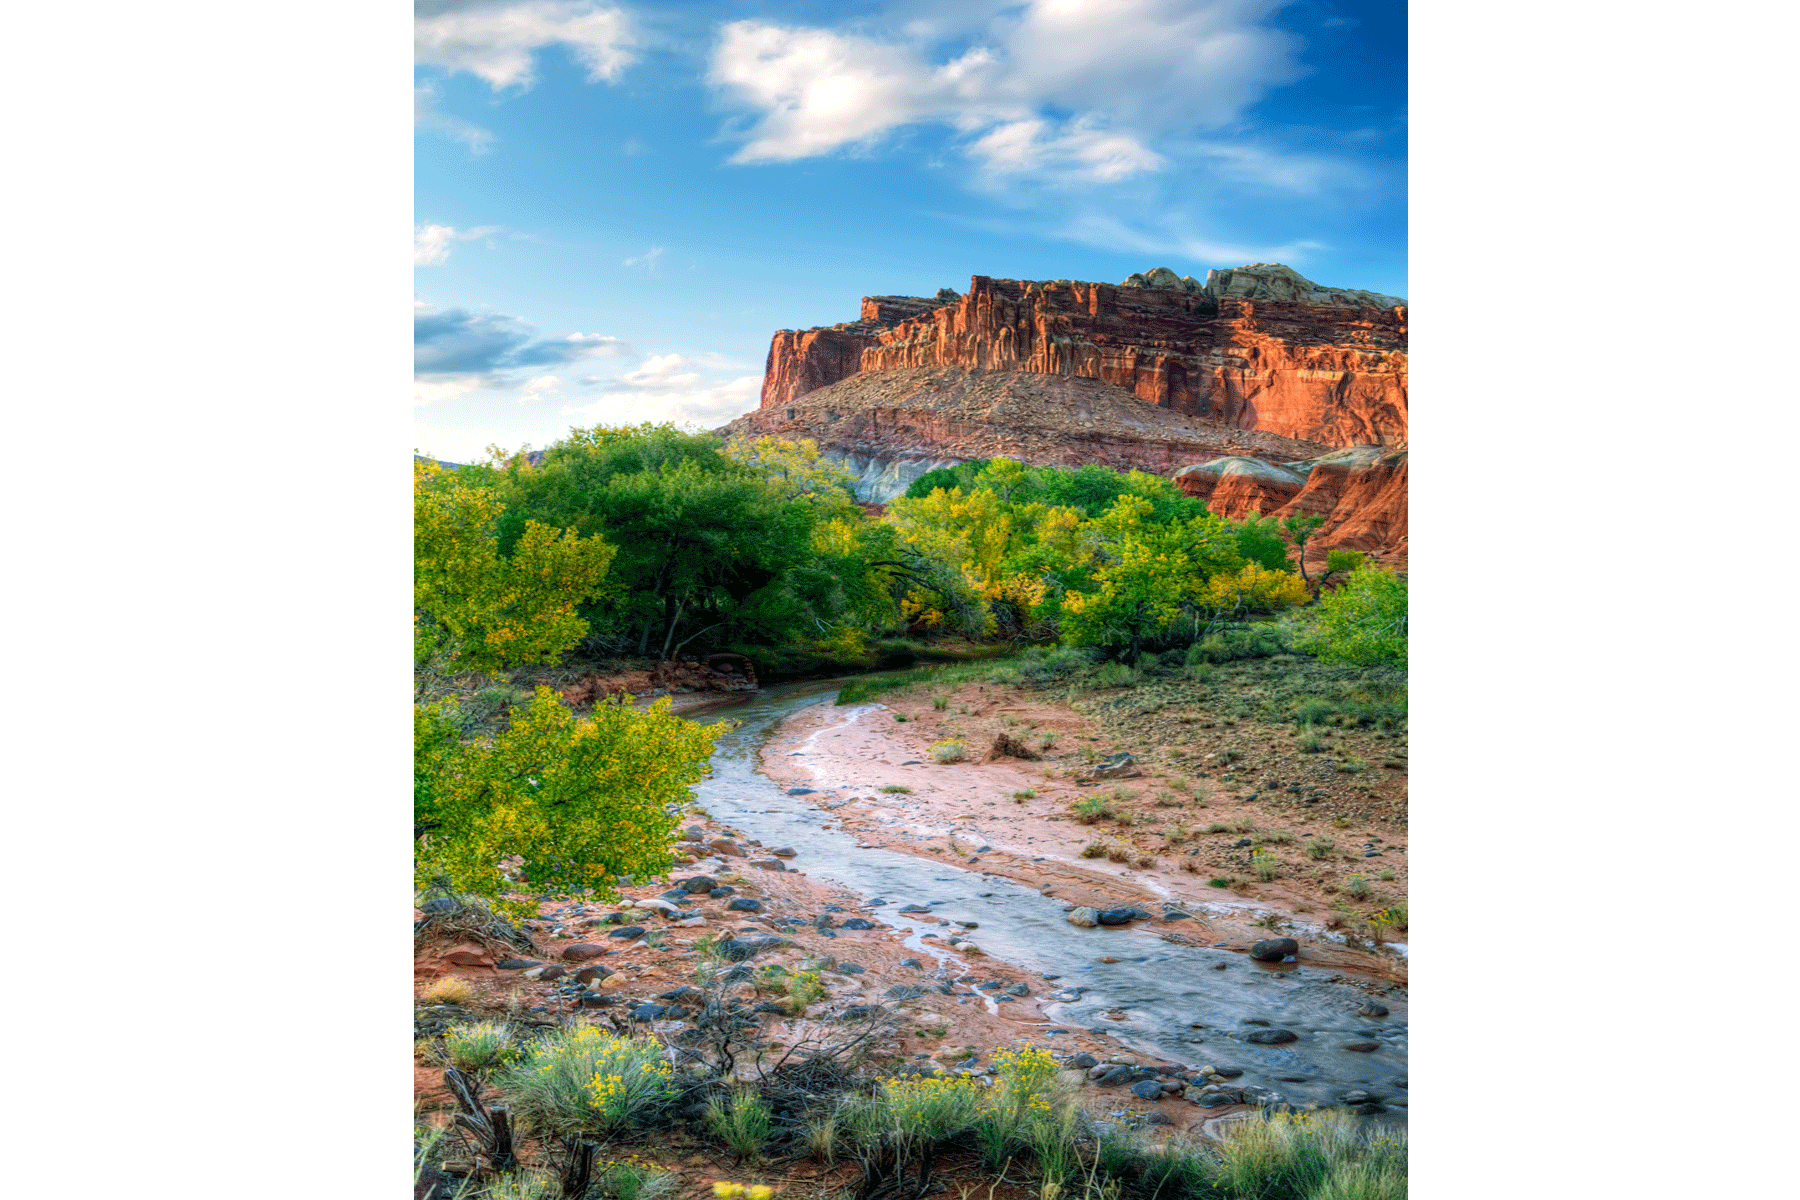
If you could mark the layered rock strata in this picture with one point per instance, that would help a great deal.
(1259, 347)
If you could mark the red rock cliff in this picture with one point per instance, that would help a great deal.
(1257, 347)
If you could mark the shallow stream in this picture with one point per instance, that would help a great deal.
(1161, 999)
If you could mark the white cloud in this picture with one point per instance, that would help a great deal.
(648, 259)
(1069, 91)
(1078, 151)
(431, 243)
(444, 387)
(671, 387)
(426, 116)
(496, 41)
(538, 388)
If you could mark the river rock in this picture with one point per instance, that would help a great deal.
(517, 964)
(628, 931)
(1363, 1047)
(1274, 949)
(1220, 1099)
(698, 884)
(582, 952)
(1017, 989)
(1372, 1008)
(1271, 1037)
(1114, 916)
(785, 852)
(1149, 1089)
(1116, 766)
(858, 923)
(768, 864)
(1355, 1096)
(648, 1012)
(720, 893)
(744, 904)
(1116, 1075)
(1084, 1061)
(1087, 918)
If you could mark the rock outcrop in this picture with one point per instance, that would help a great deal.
(1259, 347)
(1360, 491)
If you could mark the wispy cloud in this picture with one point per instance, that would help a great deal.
(1069, 92)
(648, 259)
(431, 243)
(672, 387)
(427, 116)
(496, 40)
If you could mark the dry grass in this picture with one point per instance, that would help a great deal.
(448, 990)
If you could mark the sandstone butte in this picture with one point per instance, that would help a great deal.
(1242, 387)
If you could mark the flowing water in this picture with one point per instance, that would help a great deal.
(1159, 998)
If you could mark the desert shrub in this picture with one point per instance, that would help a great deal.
(1117, 851)
(1321, 847)
(1222, 881)
(1393, 916)
(744, 1123)
(1117, 674)
(1265, 866)
(1090, 809)
(1357, 887)
(632, 1181)
(1311, 742)
(481, 1046)
(940, 702)
(522, 1185)
(1294, 1156)
(586, 1080)
(1095, 849)
(1278, 837)
(448, 990)
(950, 750)
(897, 789)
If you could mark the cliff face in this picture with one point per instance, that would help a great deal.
(805, 360)
(1258, 347)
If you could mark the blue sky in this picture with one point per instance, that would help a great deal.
(617, 204)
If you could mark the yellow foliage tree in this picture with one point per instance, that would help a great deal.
(487, 611)
(584, 801)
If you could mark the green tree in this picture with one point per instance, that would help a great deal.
(1362, 621)
(584, 801)
(1299, 528)
(708, 545)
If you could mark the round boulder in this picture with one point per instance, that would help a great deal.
(582, 952)
(1274, 949)
(1116, 916)
(1271, 1037)
(1087, 918)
